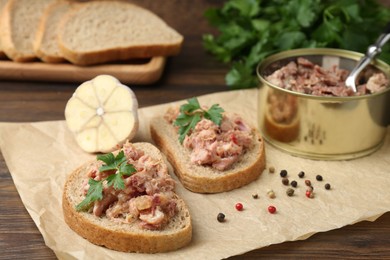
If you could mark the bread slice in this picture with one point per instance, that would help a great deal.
(103, 31)
(45, 44)
(123, 236)
(2, 4)
(205, 179)
(19, 24)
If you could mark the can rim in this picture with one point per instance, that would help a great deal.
(379, 64)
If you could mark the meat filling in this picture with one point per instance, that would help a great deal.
(148, 195)
(306, 77)
(217, 146)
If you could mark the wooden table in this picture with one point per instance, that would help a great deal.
(191, 73)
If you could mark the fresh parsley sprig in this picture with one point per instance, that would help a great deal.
(191, 113)
(251, 30)
(121, 167)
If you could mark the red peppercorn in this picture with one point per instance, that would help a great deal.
(309, 194)
(239, 207)
(271, 209)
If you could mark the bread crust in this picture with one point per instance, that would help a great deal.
(6, 38)
(39, 38)
(122, 236)
(243, 172)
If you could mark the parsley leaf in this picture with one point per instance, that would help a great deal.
(250, 30)
(191, 113)
(121, 167)
(95, 192)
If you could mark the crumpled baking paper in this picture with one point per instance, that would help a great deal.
(40, 155)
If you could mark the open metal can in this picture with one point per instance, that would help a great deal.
(324, 127)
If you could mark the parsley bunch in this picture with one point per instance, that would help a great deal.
(121, 167)
(191, 113)
(250, 30)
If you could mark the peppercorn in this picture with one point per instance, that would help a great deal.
(290, 192)
(239, 207)
(221, 217)
(309, 194)
(271, 169)
(319, 178)
(283, 173)
(301, 174)
(271, 194)
(271, 209)
(285, 181)
(327, 186)
(310, 188)
(294, 184)
(255, 195)
(308, 182)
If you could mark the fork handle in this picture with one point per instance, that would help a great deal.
(376, 48)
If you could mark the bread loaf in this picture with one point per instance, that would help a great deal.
(19, 23)
(126, 237)
(104, 31)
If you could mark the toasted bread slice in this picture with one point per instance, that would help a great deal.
(205, 179)
(103, 31)
(19, 24)
(126, 237)
(45, 44)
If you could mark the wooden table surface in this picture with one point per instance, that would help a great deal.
(192, 73)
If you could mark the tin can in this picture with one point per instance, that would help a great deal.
(324, 127)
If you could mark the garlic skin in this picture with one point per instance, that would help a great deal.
(102, 114)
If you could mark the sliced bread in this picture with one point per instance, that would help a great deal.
(205, 179)
(2, 4)
(104, 31)
(45, 44)
(126, 237)
(19, 24)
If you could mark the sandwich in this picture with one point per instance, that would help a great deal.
(211, 150)
(126, 201)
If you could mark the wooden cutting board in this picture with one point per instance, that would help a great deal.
(133, 72)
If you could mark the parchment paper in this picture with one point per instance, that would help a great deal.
(40, 155)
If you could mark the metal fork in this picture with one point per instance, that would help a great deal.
(372, 51)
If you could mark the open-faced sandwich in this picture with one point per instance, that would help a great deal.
(211, 150)
(126, 201)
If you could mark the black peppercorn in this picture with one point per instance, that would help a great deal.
(308, 182)
(255, 195)
(319, 178)
(294, 184)
(285, 181)
(221, 217)
(301, 174)
(327, 186)
(283, 173)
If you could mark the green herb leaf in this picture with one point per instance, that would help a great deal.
(95, 192)
(250, 30)
(121, 167)
(214, 114)
(127, 169)
(191, 113)
(116, 181)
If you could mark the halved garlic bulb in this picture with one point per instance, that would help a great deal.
(102, 114)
